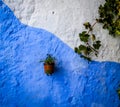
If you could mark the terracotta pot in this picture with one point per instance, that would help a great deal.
(49, 68)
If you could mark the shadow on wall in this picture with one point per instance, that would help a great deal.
(23, 83)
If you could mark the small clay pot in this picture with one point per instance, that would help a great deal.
(49, 68)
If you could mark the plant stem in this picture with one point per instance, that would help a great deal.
(92, 27)
(91, 47)
(88, 33)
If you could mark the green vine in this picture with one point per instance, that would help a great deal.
(110, 16)
(90, 44)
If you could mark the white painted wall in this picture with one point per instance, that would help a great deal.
(64, 18)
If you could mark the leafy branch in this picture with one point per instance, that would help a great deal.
(90, 44)
(109, 14)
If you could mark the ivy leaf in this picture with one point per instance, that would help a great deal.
(88, 26)
(83, 33)
(85, 50)
(82, 47)
(97, 44)
(77, 50)
(101, 11)
(84, 36)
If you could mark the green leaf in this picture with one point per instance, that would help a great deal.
(82, 47)
(85, 49)
(97, 44)
(110, 16)
(84, 36)
(77, 50)
(87, 25)
(83, 33)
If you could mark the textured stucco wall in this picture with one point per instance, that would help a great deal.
(75, 83)
(64, 18)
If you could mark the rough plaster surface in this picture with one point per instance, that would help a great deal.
(75, 83)
(64, 18)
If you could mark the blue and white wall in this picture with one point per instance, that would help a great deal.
(75, 83)
(65, 19)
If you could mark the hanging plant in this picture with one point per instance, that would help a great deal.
(110, 16)
(49, 64)
(90, 44)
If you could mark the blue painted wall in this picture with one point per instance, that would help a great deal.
(75, 83)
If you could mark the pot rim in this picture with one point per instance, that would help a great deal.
(49, 64)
